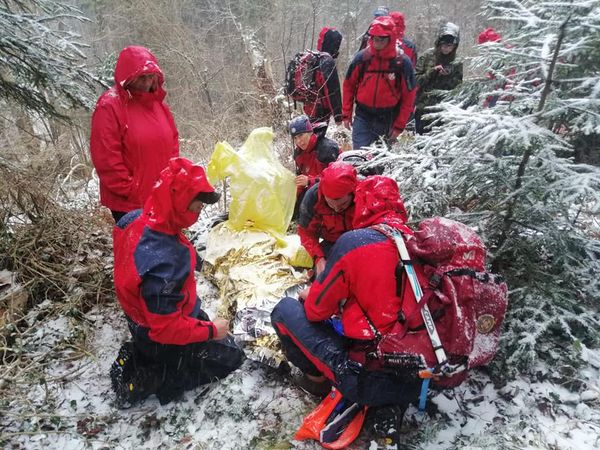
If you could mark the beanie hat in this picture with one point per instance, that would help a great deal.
(299, 125)
(337, 180)
(381, 11)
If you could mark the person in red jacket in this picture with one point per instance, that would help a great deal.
(313, 152)
(382, 84)
(403, 45)
(327, 211)
(329, 94)
(175, 345)
(359, 285)
(133, 133)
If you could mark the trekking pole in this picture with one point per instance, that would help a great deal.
(287, 95)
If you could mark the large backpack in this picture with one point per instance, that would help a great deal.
(465, 303)
(301, 77)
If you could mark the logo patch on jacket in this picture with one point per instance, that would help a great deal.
(392, 76)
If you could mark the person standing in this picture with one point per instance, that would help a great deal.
(438, 69)
(133, 132)
(380, 85)
(328, 102)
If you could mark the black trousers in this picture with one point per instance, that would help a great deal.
(193, 364)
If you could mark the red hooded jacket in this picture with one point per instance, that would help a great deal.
(381, 83)
(359, 279)
(133, 134)
(154, 262)
(317, 220)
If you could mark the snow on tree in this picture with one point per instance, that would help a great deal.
(509, 171)
(41, 59)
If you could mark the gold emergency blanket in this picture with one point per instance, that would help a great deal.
(250, 259)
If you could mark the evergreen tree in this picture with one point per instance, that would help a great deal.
(41, 59)
(509, 171)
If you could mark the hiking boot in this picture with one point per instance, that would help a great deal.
(386, 422)
(132, 381)
(317, 388)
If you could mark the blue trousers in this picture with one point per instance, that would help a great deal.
(315, 348)
(367, 129)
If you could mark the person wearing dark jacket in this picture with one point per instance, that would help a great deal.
(359, 286)
(382, 85)
(133, 133)
(437, 70)
(329, 94)
(327, 211)
(312, 153)
(175, 344)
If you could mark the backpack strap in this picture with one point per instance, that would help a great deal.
(396, 237)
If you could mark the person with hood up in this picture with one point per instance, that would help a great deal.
(382, 85)
(404, 45)
(380, 11)
(133, 132)
(175, 344)
(359, 285)
(327, 211)
(312, 153)
(327, 81)
(437, 70)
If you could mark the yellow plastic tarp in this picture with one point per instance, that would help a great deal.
(262, 190)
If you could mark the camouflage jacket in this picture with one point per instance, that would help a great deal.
(429, 80)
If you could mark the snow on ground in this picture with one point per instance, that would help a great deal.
(69, 405)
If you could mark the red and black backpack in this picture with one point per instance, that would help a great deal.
(301, 76)
(463, 303)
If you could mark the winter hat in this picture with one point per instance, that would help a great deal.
(398, 19)
(329, 41)
(381, 11)
(382, 26)
(488, 35)
(377, 200)
(337, 180)
(299, 125)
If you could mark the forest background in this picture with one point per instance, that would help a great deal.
(513, 172)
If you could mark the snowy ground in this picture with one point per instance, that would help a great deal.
(69, 404)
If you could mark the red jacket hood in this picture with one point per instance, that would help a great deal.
(383, 26)
(166, 210)
(398, 19)
(134, 61)
(488, 35)
(338, 180)
(377, 200)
